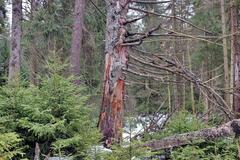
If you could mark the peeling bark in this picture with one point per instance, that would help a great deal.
(116, 58)
(16, 33)
(230, 129)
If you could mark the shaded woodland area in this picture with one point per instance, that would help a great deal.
(119, 79)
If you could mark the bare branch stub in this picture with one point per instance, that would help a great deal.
(168, 16)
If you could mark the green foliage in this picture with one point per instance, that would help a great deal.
(199, 105)
(51, 29)
(4, 50)
(184, 122)
(131, 151)
(181, 122)
(208, 56)
(208, 17)
(10, 145)
(222, 149)
(147, 98)
(187, 153)
(54, 114)
(2, 16)
(47, 30)
(205, 52)
(128, 149)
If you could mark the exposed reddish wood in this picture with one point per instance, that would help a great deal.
(236, 58)
(110, 119)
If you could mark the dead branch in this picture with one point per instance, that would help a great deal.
(176, 67)
(201, 38)
(141, 38)
(168, 16)
(135, 19)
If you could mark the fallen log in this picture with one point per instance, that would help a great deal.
(229, 129)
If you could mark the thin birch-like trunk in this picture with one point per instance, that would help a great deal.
(175, 86)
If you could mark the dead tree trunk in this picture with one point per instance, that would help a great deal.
(77, 38)
(236, 58)
(230, 129)
(116, 58)
(16, 33)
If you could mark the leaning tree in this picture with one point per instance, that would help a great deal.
(121, 48)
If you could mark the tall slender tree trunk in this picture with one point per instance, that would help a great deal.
(225, 51)
(191, 84)
(169, 96)
(77, 35)
(16, 33)
(231, 77)
(176, 78)
(208, 75)
(183, 86)
(236, 60)
(182, 89)
(33, 67)
(33, 54)
(231, 70)
(116, 58)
